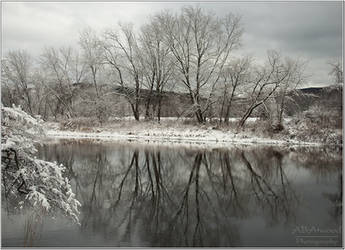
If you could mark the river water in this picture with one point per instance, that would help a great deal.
(137, 195)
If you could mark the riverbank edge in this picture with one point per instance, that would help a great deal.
(220, 140)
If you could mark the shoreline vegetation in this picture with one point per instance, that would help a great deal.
(184, 131)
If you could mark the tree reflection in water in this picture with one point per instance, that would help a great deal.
(161, 197)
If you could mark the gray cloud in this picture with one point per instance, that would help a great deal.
(311, 30)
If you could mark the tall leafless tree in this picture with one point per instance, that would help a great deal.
(17, 73)
(295, 71)
(93, 54)
(201, 45)
(233, 76)
(336, 72)
(122, 53)
(62, 68)
(157, 58)
(265, 81)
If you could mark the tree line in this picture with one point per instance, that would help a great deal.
(191, 51)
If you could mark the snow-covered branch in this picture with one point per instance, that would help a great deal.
(27, 180)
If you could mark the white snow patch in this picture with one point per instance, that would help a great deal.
(209, 137)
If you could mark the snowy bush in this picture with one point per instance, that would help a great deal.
(26, 180)
(317, 124)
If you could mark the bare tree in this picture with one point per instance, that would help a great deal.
(149, 67)
(295, 76)
(17, 74)
(201, 45)
(123, 55)
(265, 81)
(92, 54)
(233, 76)
(63, 68)
(156, 56)
(22, 88)
(43, 99)
(336, 72)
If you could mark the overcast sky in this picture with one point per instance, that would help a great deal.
(309, 30)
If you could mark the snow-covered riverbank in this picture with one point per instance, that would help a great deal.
(165, 135)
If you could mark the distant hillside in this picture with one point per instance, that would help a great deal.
(312, 90)
(330, 97)
(175, 104)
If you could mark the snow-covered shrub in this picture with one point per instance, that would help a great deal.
(322, 116)
(26, 180)
(317, 124)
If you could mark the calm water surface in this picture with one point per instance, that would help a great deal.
(135, 195)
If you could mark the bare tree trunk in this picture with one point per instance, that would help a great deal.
(148, 103)
(281, 110)
(29, 101)
(227, 113)
(200, 116)
(247, 114)
(94, 72)
(135, 111)
(159, 107)
(222, 107)
(137, 114)
(147, 108)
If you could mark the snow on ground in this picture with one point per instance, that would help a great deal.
(166, 135)
(172, 118)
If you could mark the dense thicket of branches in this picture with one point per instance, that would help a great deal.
(190, 52)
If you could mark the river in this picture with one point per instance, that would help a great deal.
(151, 195)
